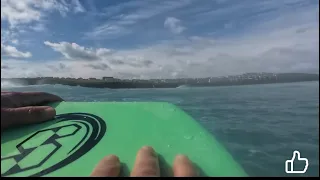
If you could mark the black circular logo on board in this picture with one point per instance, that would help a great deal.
(47, 150)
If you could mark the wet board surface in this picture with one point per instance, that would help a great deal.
(84, 132)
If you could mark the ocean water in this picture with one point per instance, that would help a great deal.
(260, 125)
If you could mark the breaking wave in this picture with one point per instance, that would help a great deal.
(9, 84)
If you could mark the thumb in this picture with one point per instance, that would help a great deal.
(11, 117)
(295, 155)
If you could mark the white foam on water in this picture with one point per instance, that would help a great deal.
(9, 84)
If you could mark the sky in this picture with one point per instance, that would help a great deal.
(158, 38)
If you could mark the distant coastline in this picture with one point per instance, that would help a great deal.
(113, 83)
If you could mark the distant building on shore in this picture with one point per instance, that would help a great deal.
(109, 79)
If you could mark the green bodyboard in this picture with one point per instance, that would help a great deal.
(84, 132)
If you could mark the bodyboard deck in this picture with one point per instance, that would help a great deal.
(84, 132)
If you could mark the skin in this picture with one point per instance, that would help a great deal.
(19, 108)
(146, 165)
(22, 108)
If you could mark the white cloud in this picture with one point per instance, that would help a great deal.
(11, 51)
(73, 51)
(121, 17)
(7, 36)
(27, 11)
(19, 13)
(78, 6)
(38, 27)
(15, 41)
(62, 68)
(173, 24)
(107, 31)
(22, 68)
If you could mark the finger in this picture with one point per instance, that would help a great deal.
(182, 167)
(25, 115)
(108, 167)
(146, 164)
(19, 99)
(35, 98)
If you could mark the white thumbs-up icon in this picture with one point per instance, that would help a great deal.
(290, 163)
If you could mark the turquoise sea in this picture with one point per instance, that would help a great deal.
(260, 125)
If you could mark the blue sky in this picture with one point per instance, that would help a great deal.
(157, 39)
